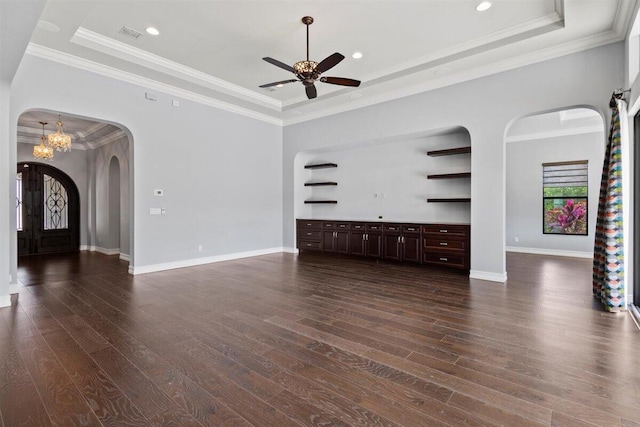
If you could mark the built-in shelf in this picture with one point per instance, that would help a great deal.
(321, 166)
(332, 202)
(449, 151)
(450, 200)
(450, 175)
(319, 184)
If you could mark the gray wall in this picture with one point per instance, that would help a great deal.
(221, 172)
(485, 107)
(112, 227)
(524, 189)
(388, 179)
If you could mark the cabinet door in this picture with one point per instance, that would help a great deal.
(357, 243)
(391, 246)
(374, 245)
(341, 242)
(327, 241)
(411, 248)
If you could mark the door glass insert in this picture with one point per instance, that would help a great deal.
(56, 214)
(19, 201)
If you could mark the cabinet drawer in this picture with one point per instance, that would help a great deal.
(329, 225)
(357, 226)
(409, 228)
(373, 227)
(303, 244)
(445, 259)
(392, 227)
(435, 243)
(309, 223)
(451, 230)
(310, 235)
(343, 225)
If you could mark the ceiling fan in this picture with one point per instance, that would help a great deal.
(308, 71)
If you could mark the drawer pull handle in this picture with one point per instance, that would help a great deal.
(444, 259)
(444, 244)
(308, 244)
(309, 224)
(308, 234)
(444, 231)
(411, 229)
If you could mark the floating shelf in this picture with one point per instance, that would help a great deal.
(449, 151)
(450, 200)
(319, 184)
(332, 202)
(321, 166)
(449, 175)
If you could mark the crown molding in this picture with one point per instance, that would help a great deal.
(112, 137)
(555, 133)
(111, 72)
(557, 51)
(109, 46)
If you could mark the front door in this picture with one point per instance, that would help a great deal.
(48, 210)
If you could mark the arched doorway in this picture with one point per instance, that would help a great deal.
(48, 210)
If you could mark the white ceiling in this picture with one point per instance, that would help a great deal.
(84, 133)
(212, 50)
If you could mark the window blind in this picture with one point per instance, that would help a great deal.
(565, 174)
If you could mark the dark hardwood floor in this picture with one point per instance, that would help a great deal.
(282, 340)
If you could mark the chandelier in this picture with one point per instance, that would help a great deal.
(60, 140)
(43, 151)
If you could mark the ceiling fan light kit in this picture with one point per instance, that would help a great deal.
(308, 72)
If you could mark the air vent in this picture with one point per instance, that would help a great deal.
(130, 32)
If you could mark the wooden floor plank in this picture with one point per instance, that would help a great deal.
(317, 340)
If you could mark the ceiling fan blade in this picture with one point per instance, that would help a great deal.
(279, 64)
(329, 62)
(342, 81)
(311, 91)
(279, 83)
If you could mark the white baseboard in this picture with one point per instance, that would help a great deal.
(5, 300)
(125, 257)
(489, 276)
(135, 270)
(14, 288)
(100, 250)
(552, 252)
(290, 250)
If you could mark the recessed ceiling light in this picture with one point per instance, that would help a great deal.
(153, 31)
(356, 55)
(482, 6)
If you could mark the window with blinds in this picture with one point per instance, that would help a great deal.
(565, 190)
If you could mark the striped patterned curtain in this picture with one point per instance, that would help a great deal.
(608, 251)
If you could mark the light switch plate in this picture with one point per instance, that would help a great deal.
(155, 211)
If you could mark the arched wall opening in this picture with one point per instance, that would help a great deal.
(95, 143)
(385, 179)
(114, 203)
(550, 157)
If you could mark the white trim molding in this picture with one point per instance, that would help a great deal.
(114, 73)
(5, 301)
(551, 252)
(555, 133)
(14, 288)
(101, 250)
(290, 250)
(488, 276)
(125, 257)
(200, 261)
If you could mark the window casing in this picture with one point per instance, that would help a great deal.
(565, 198)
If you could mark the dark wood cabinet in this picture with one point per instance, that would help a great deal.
(434, 244)
(446, 245)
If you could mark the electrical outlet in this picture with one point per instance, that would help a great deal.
(516, 239)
